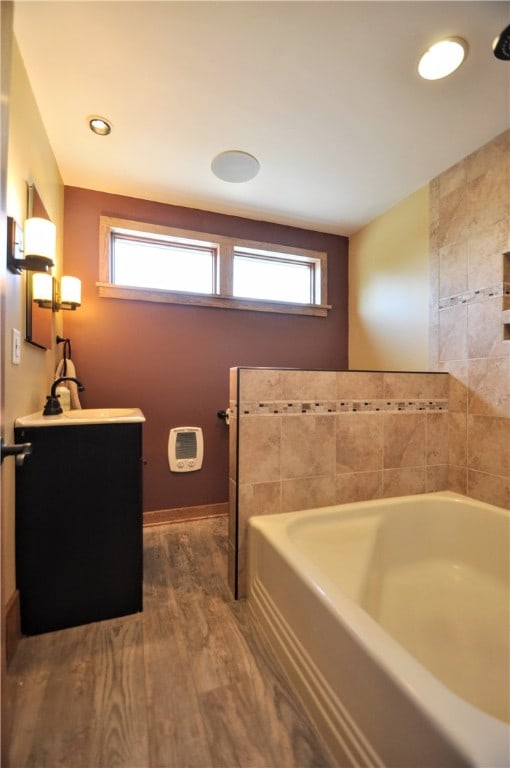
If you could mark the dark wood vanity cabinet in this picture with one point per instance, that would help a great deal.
(79, 524)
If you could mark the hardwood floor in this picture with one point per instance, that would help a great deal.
(185, 684)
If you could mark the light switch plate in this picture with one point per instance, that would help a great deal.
(16, 346)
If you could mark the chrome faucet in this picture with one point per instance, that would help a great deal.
(53, 407)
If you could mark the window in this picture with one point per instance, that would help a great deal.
(154, 263)
(269, 276)
(174, 264)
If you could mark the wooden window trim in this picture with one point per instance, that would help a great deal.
(224, 300)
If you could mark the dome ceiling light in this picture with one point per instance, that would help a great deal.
(442, 58)
(235, 166)
(100, 125)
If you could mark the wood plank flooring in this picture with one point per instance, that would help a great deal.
(185, 684)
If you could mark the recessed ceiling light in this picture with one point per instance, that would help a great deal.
(100, 126)
(235, 166)
(442, 58)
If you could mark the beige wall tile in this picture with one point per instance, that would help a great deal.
(476, 195)
(351, 385)
(403, 482)
(410, 386)
(254, 499)
(434, 200)
(469, 233)
(232, 508)
(404, 440)
(308, 385)
(457, 439)
(453, 275)
(436, 478)
(259, 499)
(308, 493)
(260, 384)
(485, 329)
(359, 442)
(434, 275)
(231, 541)
(437, 438)
(437, 386)
(232, 448)
(451, 180)
(489, 445)
(232, 381)
(453, 333)
(491, 489)
(489, 386)
(434, 347)
(487, 157)
(452, 216)
(434, 235)
(457, 384)
(485, 255)
(457, 479)
(259, 449)
(489, 198)
(308, 446)
(358, 486)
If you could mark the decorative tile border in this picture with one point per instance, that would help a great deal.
(284, 407)
(470, 297)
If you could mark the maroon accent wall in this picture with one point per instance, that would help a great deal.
(173, 361)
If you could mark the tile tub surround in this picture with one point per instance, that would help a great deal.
(304, 439)
(465, 448)
(470, 317)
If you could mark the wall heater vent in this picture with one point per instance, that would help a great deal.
(185, 449)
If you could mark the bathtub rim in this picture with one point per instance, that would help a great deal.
(458, 720)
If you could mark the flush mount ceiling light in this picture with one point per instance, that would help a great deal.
(442, 58)
(100, 126)
(235, 166)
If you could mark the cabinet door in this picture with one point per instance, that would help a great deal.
(79, 525)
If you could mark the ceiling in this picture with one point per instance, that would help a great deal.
(325, 94)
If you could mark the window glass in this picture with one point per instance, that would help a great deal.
(272, 278)
(149, 263)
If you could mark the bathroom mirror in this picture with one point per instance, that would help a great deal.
(39, 321)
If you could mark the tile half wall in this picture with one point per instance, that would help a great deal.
(303, 439)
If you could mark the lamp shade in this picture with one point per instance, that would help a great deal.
(40, 238)
(70, 291)
(42, 287)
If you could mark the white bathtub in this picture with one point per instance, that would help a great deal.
(391, 618)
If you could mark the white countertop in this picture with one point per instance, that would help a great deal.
(82, 416)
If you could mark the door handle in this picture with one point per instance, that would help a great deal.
(19, 450)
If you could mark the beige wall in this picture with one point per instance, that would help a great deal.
(389, 289)
(469, 338)
(30, 160)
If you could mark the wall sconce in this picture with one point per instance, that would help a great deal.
(70, 292)
(38, 245)
(47, 293)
